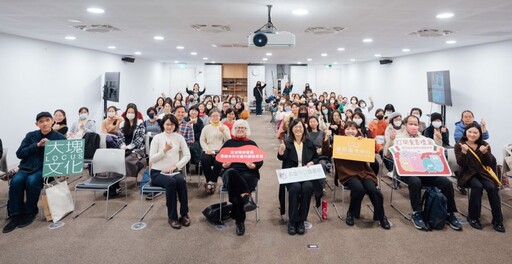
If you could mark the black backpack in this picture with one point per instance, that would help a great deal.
(434, 208)
(212, 212)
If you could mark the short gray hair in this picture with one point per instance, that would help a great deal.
(242, 123)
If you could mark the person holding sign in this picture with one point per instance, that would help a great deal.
(242, 178)
(28, 181)
(297, 151)
(361, 180)
(165, 170)
(474, 157)
(415, 183)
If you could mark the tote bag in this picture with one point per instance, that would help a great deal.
(60, 201)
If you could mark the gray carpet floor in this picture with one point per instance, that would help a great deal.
(92, 239)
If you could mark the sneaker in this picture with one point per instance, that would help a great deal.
(13, 223)
(453, 222)
(153, 195)
(498, 226)
(417, 220)
(249, 204)
(475, 223)
(384, 223)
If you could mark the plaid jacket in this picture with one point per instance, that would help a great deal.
(187, 132)
(137, 139)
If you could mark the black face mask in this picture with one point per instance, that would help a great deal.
(151, 115)
(380, 117)
(303, 115)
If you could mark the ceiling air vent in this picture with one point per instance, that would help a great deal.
(431, 33)
(324, 30)
(231, 45)
(97, 28)
(211, 28)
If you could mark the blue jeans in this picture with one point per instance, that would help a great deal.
(23, 182)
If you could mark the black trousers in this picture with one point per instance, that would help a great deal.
(477, 185)
(415, 184)
(173, 185)
(207, 162)
(358, 188)
(299, 198)
(238, 183)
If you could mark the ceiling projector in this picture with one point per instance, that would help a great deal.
(268, 36)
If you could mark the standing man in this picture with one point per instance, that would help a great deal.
(29, 179)
(258, 93)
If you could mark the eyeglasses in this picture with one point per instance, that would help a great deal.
(241, 128)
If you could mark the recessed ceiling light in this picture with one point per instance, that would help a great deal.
(300, 12)
(367, 40)
(352, 60)
(74, 21)
(193, 53)
(451, 42)
(341, 49)
(335, 63)
(406, 50)
(95, 10)
(213, 61)
(323, 54)
(70, 37)
(377, 55)
(176, 61)
(180, 47)
(265, 59)
(444, 15)
(137, 53)
(299, 62)
(158, 38)
(112, 47)
(268, 54)
(310, 59)
(214, 45)
(205, 58)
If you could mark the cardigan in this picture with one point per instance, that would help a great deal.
(212, 139)
(470, 166)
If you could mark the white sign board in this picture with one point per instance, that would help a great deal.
(300, 174)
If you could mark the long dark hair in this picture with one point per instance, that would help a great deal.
(362, 128)
(296, 122)
(63, 122)
(127, 128)
(479, 141)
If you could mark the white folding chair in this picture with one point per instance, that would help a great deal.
(109, 162)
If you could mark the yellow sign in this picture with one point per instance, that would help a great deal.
(353, 148)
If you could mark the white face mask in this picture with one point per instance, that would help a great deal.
(283, 101)
(83, 116)
(387, 113)
(111, 114)
(362, 105)
(397, 123)
(358, 121)
(436, 124)
(418, 116)
(130, 116)
(311, 104)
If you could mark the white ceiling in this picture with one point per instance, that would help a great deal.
(387, 22)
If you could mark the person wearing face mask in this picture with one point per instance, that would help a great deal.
(152, 125)
(436, 129)
(110, 125)
(388, 110)
(415, 183)
(307, 90)
(281, 113)
(395, 127)
(352, 103)
(466, 119)
(333, 105)
(303, 114)
(415, 111)
(378, 129)
(83, 125)
(259, 95)
(365, 109)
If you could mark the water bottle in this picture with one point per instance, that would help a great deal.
(324, 209)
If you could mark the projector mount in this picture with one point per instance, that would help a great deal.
(268, 27)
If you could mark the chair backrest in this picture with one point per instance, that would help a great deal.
(507, 158)
(3, 162)
(452, 160)
(147, 142)
(109, 160)
(103, 141)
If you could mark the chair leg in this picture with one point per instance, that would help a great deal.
(334, 203)
(396, 208)
(85, 209)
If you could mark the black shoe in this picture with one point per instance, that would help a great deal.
(350, 219)
(26, 220)
(384, 223)
(240, 228)
(291, 229)
(498, 226)
(462, 190)
(301, 229)
(13, 223)
(249, 204)
(475, 223)
(112, 192)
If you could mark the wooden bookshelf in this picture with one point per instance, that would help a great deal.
(234, 80)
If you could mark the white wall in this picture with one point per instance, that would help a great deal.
(480, 76)
(42, 76)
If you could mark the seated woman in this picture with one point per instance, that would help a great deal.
(60, 122)
(159, 106)
(242, 178)
(165, 158)
(197, 124)
(83, 125)
(152, 124)
(473, 153)
(167, 110)
(436, 129)
(378, 128)
(394, 128)
(213, 136)
(297, 151)
(466, 119)
(110, 125)
(415, 111)
(361, 180)
(229, 121)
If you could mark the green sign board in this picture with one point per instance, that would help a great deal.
(63, 157)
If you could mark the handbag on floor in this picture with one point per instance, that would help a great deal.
(212, 212)
(60, 201)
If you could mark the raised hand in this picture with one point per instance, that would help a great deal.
(168, 146)
(484, 149)
(464, 148)
(282, 148)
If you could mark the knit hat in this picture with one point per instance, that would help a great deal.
(43, 114)
(436, 116)
(393, 115)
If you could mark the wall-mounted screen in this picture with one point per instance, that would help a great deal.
(439, 87)
(111, 88)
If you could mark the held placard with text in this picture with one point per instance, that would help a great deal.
(63, 157)
(353, 148)
(300, 174)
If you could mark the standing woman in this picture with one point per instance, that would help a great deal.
(288, 87)
(213, 136)
(473, 153)
(259, 94)
(241, 178)
(60, 123)
(195, 91)
(297, 151)
(165, 158)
